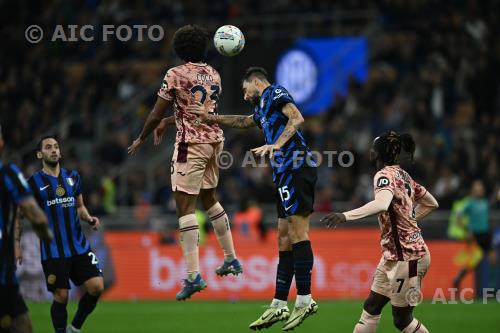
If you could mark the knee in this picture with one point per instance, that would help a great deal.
(96, 288)
(208, 198)
(372, 307)
(61, 296)
(401, 321)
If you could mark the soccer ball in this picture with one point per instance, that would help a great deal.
(229, 40)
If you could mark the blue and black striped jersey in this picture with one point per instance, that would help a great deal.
(269, 117)
(57, 197)
(13, 189)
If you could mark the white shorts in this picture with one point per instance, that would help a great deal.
(194, 166)
(401, 281)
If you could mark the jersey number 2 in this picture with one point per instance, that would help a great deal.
(93, 258)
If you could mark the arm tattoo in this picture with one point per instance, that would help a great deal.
(294, 121)
(232, 120)
(18, 226)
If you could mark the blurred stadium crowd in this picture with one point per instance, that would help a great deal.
(433, 73)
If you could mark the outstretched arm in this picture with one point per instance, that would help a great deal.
(233, 121)
(380, 204)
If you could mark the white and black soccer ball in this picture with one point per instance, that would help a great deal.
(229, 40)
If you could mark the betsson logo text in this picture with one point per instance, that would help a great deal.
(66, 201)
(259, 276)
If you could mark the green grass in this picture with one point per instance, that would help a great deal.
(225, 317)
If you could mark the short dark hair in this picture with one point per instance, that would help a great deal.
(190, 43)
(39, 143)
(254, 72)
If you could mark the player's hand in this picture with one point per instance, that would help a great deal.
(135, 145)
(333, 219)
(199, 110)
(94, 223)
(159, 132)
(18, 254)
(265, 150)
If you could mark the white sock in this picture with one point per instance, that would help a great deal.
(277, 303)
(302, 300)
(415, 327)
(189, 236)
(220, 222)
(367, 323)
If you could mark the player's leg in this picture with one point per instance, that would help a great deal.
(189, 231)
(222, 229)
(188, 166)
(407, 293)
(21, 324)
(57, 272)
(216, 213)
(93, 290)
(13, 311)
(380, 294)
(303, 260)
(58, 311)
(370, 317)
(278, 310)
(404, 321)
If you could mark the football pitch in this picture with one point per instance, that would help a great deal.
(225, 317)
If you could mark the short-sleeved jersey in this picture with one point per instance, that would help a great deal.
(57, 196)
(185, 85)
(401, 238)
(13, 189)
(269, 117)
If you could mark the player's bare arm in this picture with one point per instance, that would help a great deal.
(234, 121)
(380, 204)
(18, 230)
(84, 215)
(295, 119)
(36, 216)
(425, 205)
(160, 130)
(153, 120)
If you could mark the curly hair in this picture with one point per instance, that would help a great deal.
(389, 145)
(190, 43)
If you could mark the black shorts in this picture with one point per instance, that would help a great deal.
(295, 192)
(79, 269)
(11, 303)
(484, 240)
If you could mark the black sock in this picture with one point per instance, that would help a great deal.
(59, 316)
(85, 307)
(303, 260)
(284, 275)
